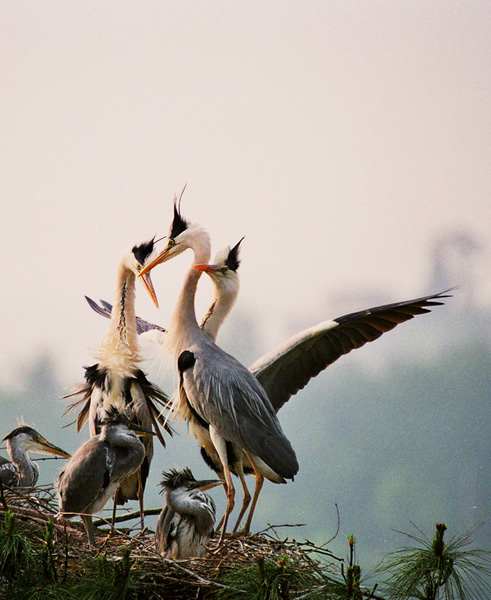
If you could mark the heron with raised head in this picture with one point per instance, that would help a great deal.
(99, 467)
(286, 369)
(289, 367)
(214, 388)
(20, 470)
(116, 380)
(186, 522)
(225, 277)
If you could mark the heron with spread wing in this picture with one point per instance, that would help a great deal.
(289, 367)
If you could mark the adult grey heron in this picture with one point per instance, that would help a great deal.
(20, 470)
(186, 522)
(289, 367)
(213, 386)
(99, 467)
(117, 381)
(225, 277)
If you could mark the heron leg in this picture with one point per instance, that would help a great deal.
(247, 496)
(221, 448)
(259, 484)
(89, 529)
(140, 498)
(113, 518)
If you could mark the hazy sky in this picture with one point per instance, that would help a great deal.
(341, 138)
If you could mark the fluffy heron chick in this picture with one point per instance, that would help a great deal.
(186, 522)
(98, 467)
(21, 471)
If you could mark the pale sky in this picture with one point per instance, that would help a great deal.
(341, 138)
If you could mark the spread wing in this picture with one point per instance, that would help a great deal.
(288, 368)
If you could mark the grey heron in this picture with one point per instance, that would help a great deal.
(226, 283)
(289, 367)
(21, 471)
(186, 522)
(99, 467)
(214, 388)
(116, 380)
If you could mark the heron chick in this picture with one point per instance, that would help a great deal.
(98, 467)
(186, 522)
(21, 471)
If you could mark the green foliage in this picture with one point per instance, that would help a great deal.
(106, 581)
(270, 580)
(437, 570)
(109, 581)
(39, 592)
(16, 554)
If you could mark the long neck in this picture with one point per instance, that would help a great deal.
(184, 328)
(119, 350)
(218, 311)
(28, 470)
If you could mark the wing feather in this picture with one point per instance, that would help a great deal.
(288, 368)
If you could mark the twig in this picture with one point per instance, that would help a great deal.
(129, 516)
(176, 564)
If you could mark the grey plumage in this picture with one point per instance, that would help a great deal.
(219, 389)
(186, 522)
(98, 467)
(21, 471)
(290, 366)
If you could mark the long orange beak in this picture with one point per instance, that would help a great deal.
(45, 447)
(206, 268)
(147, 282)
(162, 257)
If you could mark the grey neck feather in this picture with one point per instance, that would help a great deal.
(28, 470)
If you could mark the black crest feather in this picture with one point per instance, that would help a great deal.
(18, 431)
(179, 224)
(233, 261)
(143, 251)
(174, 479)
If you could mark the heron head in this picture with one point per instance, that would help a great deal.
(30, 440)
(140, 256)
(119, 418)
(223, 271)
(182, 235)
(184, 480)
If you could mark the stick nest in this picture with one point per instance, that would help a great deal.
(151, 575)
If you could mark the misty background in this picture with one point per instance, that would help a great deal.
(397, 432)
(350, 143)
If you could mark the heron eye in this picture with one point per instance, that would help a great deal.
(138, 267)
(171, 242)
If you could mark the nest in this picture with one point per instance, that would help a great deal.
(152, 576)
